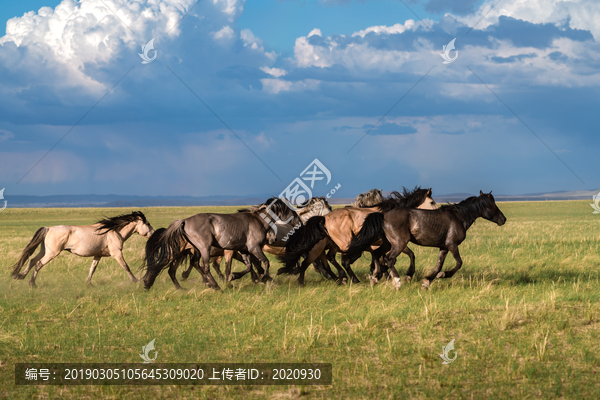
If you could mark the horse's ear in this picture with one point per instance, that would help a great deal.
(480, 193)
(490, 192)
(429, 192)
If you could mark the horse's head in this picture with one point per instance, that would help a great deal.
(143, 227)
(491, 211)
(280, 218)
(428, 202)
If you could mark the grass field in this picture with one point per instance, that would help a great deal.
(524, 311)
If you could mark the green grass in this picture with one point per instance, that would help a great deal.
(524, 311)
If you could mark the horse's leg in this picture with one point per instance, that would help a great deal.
(342, 277)
(217, 267)
(448, 274)
(117, 254)
(205, 256)
(237, 275)
(411, 270)
(186, 273)
(173, 274)
(438, 267)
(33, 261)
(346, 265)
(49, 256)
(323, 267)
(253, 262)
(92, 270)
(397, 248)
(258, 253)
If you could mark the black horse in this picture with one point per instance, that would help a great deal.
(246, 232)
(445, 228)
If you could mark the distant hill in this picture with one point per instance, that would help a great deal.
(114, 200)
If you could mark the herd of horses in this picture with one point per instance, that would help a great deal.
(297, 236)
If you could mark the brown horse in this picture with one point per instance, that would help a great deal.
(246, 232)
(445, 228)
(340, 225)
(103, 239)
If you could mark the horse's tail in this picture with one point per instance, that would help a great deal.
(37, 239)
(164, 247)
(371, 231)
(303, 240)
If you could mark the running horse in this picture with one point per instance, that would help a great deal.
(445, 228)
(339, 226)
(246, 231)
(316, 206)
(103, 239)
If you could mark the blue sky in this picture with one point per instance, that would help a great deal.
(243, 96)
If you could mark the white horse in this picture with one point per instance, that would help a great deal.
(103, 239)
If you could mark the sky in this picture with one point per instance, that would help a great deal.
(242, 97)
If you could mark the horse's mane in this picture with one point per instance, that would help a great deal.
(471, 207)
(313, 200)
(274, 203)
(119, 222)
(407, 199)
(368, 199)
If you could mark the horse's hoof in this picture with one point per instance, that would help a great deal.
(408, 279)
(355, 280)
(229, 278)
(373, 280)
(397, 283)
(300, 284)
(441, 275)
(135, 280)
(32, 285)
(266, 278)
(19, 276)
(89, 284)
(425, 284)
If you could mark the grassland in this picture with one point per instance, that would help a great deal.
(524, 311)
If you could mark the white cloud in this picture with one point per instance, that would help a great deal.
(276, 72)
(582, 14)
(226, 33)
(275, 86)
(382, 29)
(6, 135)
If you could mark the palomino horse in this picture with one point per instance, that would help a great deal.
(103, 239)
(340, 225)
(246, 232)
(445, 228)
(316, 206)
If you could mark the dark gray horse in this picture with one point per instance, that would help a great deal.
(246, 232)
(444, 228)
